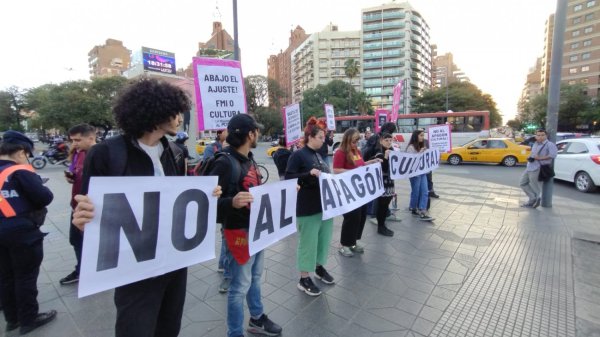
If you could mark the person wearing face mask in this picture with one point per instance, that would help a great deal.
(314, 234)
(349, 157)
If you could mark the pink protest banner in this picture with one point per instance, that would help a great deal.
(381, 117)
(220, 92)
(396, 101)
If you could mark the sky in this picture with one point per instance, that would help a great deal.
(495, 42)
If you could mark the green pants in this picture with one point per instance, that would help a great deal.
(314, 237)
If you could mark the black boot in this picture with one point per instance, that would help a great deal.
(41, 319)
(385, 231)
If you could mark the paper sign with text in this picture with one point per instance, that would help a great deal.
(406, 165)
(145, 227)
(272, 214)
(330, 117)
(292, 123)
(381, 117)
(220, 94)
(344, 192)
(440, 137)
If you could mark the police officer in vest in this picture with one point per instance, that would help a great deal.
(23, 202)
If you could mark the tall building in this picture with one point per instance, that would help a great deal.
(445, 71)
(581, 54)
(547, 57)
(533, 85)
(110, 59)
(280, 66)
(321, 58)
(395, 44)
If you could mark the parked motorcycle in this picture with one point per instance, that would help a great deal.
(56, 154)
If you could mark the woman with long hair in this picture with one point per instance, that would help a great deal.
(346, 158)
(314, 234)
(419, 191)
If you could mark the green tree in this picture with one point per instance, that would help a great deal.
(336, 94)
(256, 91)
(271, 119)
(276, 94)
(351, 69)
(11, 106)
(462, 96)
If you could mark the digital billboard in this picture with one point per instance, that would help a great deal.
(158, 60)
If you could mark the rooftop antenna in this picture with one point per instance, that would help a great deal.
(217, 13)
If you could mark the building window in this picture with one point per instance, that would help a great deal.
(573, 58)
(588, 30)
(585, 56)
(577, 8)
(575, 33)
(591, 3)
(585, 81)
(589, 17)
(577, 20)
(585, 68)
(575, 45)
(572, 82)
(587, 43)
(573, 71)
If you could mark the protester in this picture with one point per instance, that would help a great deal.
(383, 202)
(346, 158)
(281, 157)
(180, 139)
(419, 194)
(542, 153)
(324, 150)
(83, 137)
(432, 193)
(365, 138)
(146, 110)
(22, 211)
(215, 146)
(314, 234)
(234, 207)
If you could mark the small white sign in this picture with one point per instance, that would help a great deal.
(440, 138)
(344, 192)
(145, 227)
(406, 165)
(292, 120)
(330, 117)
(272, 214)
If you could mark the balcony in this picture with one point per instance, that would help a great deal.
(393, 15)
(371, 17)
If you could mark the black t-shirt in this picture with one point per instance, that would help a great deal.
(299, 166)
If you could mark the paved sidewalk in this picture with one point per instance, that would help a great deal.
(484, 267)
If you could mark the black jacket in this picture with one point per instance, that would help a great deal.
(138, 163)
(27, 195)
(234, 218)
(299, 166)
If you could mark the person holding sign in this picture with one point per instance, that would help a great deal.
(419, 194)
(348, 157)
(146, 110)
(314, 234)
(234, 209)
(383, 202)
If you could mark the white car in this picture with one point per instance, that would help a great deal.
(578, 161)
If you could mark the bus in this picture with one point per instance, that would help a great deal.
(465, 126)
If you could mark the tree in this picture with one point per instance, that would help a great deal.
(256, 91)
(276, 94)
(270, 118)
(351, 70)
(462, 96)
(336, 94)
(11, 106)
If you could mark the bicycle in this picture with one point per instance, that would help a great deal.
(264, 173)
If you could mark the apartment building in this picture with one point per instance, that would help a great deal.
(110, 59)
(445, 71)
(321, 58)
(395, 47)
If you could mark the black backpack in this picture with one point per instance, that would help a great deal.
(281, 157)
(206, 166)
(117, 154)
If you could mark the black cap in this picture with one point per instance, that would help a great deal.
(15, 137)
(243, 124)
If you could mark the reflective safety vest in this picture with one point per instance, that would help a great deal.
(5, 207)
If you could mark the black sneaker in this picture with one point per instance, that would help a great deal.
(432, 194)
(69, 279)
(423, 216)
(385, 231)
(10, 326)
(264, 326)
(323, 275)
(414, 211)
(40, 320)
(306, 284)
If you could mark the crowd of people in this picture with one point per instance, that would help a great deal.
(147, 111)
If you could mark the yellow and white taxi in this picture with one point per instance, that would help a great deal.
(489, 150)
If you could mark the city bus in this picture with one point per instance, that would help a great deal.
(465, 126)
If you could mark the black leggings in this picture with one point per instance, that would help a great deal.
(352, 226)
(383, 204)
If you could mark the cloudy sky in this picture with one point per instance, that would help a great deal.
(494, 42)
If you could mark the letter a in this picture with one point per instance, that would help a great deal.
(264, 209)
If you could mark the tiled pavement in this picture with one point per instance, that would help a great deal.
(484, 267)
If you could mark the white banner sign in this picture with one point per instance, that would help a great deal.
(272, 214)
(292, 122)
(330, 117)
(440, 138)
(406, 165)
(343, 192)
(145, 227)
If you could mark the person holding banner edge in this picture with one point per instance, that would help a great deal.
(314, 234)
(146, 110)
(349, 157)
(383, 202)
(419, 194)
(245, 270)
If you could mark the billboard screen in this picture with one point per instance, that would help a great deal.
(158, 60)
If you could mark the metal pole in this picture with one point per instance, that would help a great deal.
(236, 46)
(446, 89)
(554, 88)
